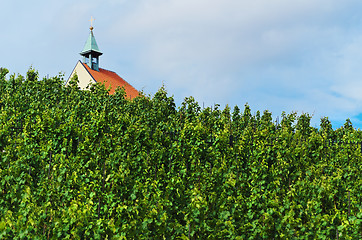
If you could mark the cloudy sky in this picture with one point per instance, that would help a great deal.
(279, 55)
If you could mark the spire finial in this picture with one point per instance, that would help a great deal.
(91, 20)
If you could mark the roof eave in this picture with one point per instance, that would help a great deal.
(90, 51)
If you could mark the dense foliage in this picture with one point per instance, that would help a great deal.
(84, 164)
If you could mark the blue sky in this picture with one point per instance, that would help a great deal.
(280, 55)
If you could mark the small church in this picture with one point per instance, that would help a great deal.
(89, 71)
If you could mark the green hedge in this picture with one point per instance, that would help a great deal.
(88, 165)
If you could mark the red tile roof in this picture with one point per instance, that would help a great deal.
(110, 78)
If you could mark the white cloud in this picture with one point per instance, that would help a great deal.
(222, 37)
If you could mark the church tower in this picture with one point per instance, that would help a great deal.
(89, 72)
(91, 52)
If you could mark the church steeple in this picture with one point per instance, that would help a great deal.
(91, 51)
(89, 72)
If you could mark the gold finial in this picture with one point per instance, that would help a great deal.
(91, 20)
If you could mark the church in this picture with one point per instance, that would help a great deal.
(89, 71)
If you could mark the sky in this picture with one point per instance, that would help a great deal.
(301, 56)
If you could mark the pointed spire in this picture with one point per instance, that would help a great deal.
(91, 44)
(91, 51)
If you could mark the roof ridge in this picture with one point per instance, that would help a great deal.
(108, 70)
